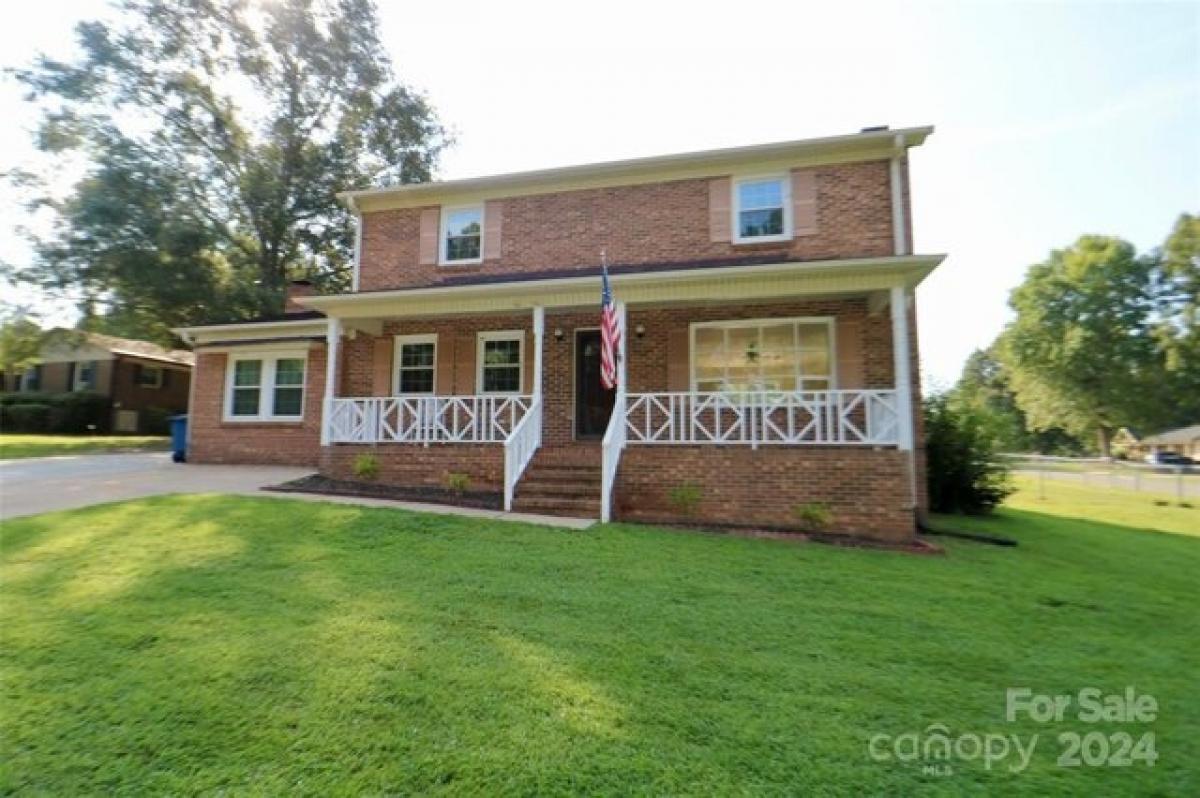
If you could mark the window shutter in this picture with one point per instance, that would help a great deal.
(679, 376)
(430, 223)
(166, 377)
(444, 379)
(718, 209)
(804, 202)
(493, 217)
(849, 356)
(381, 367)
(464, 364)
(71, 376)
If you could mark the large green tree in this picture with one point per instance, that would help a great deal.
(1178, 327)
(1081, 353)
(985, 390)
(219, 132)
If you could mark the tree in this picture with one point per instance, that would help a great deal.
(219, 132)
(985, 391)
(1178, 329)
(1081, 353)
(20, 344)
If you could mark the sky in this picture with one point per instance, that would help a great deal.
(1052, 119)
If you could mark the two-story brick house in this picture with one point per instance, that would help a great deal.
(769, 372)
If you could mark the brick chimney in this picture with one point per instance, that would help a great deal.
(295, 289)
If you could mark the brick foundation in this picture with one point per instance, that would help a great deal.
(866, 490)
(412, 466)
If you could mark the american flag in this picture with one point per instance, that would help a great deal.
(610, 334)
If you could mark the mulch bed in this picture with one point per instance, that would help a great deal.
(324, 486)
(916, 546)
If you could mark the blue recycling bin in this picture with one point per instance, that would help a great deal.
(178, 438)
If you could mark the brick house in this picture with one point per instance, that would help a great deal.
(143, 381)
(770, 374)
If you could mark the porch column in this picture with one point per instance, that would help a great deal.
(539, 330)
(621, 359)
(902, 366)
(333, 337)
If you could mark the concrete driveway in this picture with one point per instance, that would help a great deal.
(43, 484)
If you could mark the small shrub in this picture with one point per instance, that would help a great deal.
(964, 474)
(366, 466)
(79, 411)
(28, 418)
(685, 498)
(155, 421)
(813, 516)
(458, 482)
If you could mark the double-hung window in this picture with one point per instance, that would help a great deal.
(85, 376)
(462, 235)
(761, 210)
(266, 387)
(416, 364)
(763, 355)
(150, 377)
(500, 359)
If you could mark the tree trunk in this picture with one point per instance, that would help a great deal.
(1104, 435)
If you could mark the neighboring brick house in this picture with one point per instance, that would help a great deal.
(770, 377)
(144, 381)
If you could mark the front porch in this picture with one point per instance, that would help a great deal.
(499, 395)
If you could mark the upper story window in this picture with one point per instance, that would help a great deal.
(416, 364)
(500, 361)
(462, 234)
(266, 387)
(761, 210)
(763, 355)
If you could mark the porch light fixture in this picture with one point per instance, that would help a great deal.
(639, 330)
(558, 333)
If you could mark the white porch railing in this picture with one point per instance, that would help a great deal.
(425, 419)
(525, 439)
(610, 453)
(859, 417)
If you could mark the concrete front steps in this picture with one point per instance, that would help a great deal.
(561, 481)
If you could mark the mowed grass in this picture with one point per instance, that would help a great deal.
(1139, 510)
(267, 646)
(13, 447)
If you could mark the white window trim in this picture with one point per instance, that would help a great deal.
(829, 321)
(157, 383)
(77, 383)
(735, 209)
(266, 388)
(400, 340)
(500, 335)
(443, 225)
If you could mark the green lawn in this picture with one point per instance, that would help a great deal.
(267, 646)
(13, 447)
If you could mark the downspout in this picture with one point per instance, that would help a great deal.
(901, 342)
(358, 224)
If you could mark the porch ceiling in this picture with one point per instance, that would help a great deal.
(734, 283)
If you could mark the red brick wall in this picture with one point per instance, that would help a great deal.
(650, 223)
(282, 443)
(422, 466)
(865, 490)
(173, 395)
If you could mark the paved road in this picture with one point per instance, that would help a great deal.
(42, 484)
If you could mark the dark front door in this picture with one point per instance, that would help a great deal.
(593, 403)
